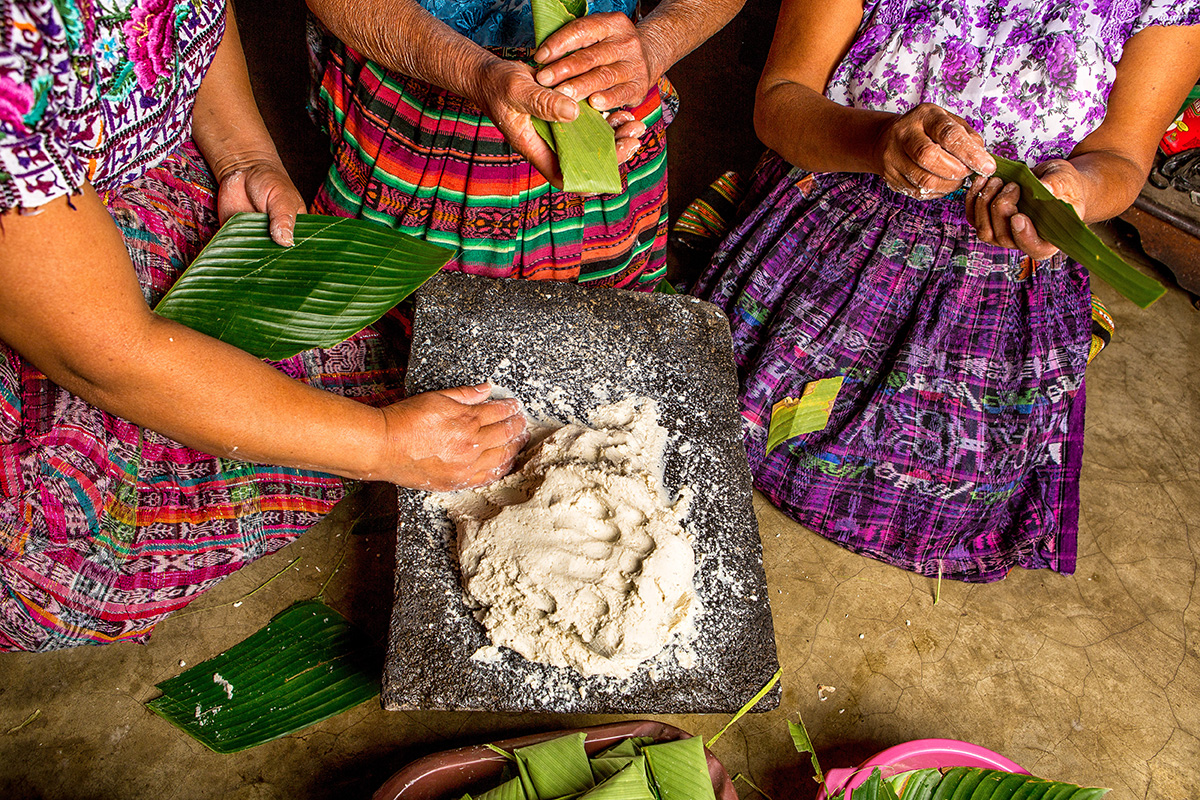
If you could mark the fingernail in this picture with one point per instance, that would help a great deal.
(569, 91)
(1018, 224)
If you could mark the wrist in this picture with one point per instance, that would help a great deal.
(229, 161)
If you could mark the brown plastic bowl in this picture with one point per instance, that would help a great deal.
(447, 775)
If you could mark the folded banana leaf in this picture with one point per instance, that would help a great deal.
(810, 412)
(274, 302)
(556, 767)
(633, 769)
(586, 146)
(628, 784)
(1057, 223)
(306, 665)
(509, 790)
(679, 769)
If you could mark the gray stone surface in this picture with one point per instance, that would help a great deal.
(563, 350)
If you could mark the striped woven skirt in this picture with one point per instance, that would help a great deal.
(105, 527)
(954, 446)
(428, 162)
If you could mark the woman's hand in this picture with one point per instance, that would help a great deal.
(452, 438)
(629, 132)
(261, 185)
(599, 58)
(508, 94)
(928, 152)
(992, 207)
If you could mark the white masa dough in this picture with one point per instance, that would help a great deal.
(579, 558)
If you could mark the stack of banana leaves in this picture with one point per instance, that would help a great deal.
(964, 783)
(635, 769)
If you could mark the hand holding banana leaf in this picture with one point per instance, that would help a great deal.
(992, 207)
(929, 152)
(602, 60)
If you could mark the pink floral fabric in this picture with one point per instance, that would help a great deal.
(96, 91)
(1032, 76)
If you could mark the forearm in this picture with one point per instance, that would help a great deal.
(405, 38)
(674, 29)
(223, 401)
(226, 124)
(1111, 182)
(815, 133)
(70, 304)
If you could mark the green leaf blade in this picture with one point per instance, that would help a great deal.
(556, 767)
(306, 665)
(1057, 223)
(274, 302)
(679, 769)
(586, 146)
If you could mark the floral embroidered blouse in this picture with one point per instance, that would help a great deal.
(503, 23)
(96, 90)
(1032, 76)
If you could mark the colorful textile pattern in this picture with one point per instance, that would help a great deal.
(427, 162)
(508, 23)
(105, 527)
(96, 90)
(955, 445)
(1018, 71)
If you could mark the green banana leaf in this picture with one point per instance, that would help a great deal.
(803, 745)
(555, 767)
(916, 783)
(604, 768)
(679, 769)
(628, 784)
(509, 790)
(1057, 223)
(274, 302)
(965, 783)
(586, 146)
(306, 665)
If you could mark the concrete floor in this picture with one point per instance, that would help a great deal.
(1092, 678)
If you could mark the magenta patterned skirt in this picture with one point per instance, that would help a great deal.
(954, 447)
(105, 527)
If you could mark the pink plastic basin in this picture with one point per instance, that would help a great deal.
(917, 754)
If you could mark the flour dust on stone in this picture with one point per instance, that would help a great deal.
(579, 558)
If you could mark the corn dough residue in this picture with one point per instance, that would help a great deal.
(579, 559)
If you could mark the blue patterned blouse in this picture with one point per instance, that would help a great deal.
(503, 23)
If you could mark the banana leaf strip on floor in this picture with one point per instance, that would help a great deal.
(306, 665)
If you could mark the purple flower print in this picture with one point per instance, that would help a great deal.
(1059, 55)
(959, 65)
(16, 99)
(149, 35)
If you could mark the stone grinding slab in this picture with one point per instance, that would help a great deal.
(564, 350)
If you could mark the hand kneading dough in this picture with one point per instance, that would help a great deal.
(578, 559)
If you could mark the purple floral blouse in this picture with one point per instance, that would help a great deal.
(1032, 76)
(96, 91)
